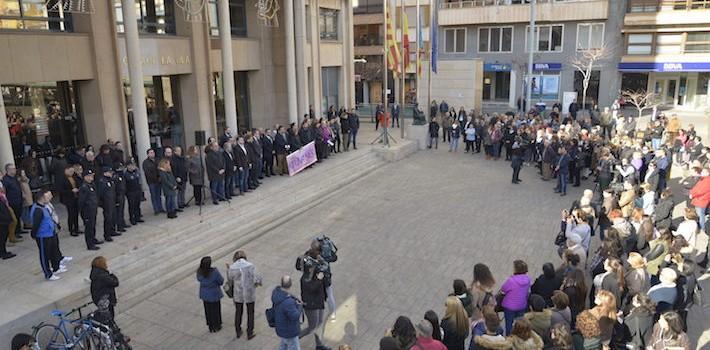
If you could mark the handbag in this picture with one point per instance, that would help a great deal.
(560, 239)
(499, 302)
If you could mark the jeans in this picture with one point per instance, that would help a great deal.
(228, 185)
(238, 317)
(181, 195)
(454, 145)
(331, 299)
(352, 137)
(155, 197)
(290, 344)
(171, 202)
(701, 217)
(511, 316)
(562, 182)
(315, 319)
(243, 179)
(433, 141)
(217, 190)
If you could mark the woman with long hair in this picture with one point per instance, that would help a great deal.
(668, 333)
(210, 293)
(612, 280)
(657, 251)
(196, 173)
(462, 292)
(636, 278)
(605, 312)
(481, 290)
(523, 337)
(515, 291)
(433, 318)
(561, 337)
(403, 332)
(639, 320)
(588, 335)
(575, 287)
(103, 284)
(169, 186)
(455, 324)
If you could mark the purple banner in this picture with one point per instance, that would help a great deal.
(302, 158)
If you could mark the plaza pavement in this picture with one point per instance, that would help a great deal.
(404, 232)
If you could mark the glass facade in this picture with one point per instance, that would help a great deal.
(43, 117)
(154, 16)
(237, 17)
(241, 89)
(330, 79)
(367, 6)
(34, 15)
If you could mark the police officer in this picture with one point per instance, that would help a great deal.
(134, 193)
(107, 201)
(120, 183)
(88, 206)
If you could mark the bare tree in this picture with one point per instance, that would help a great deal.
(585, 61)
(641, 99)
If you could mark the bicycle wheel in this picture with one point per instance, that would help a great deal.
(88, 339)
(50, 337)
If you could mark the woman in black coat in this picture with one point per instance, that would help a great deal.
(547, 283)
(103, 284)
(639, 321)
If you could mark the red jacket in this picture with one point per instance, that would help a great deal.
(700, 193)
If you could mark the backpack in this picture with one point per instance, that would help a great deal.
(328, 250)
(271, 316)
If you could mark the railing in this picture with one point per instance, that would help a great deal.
(667, 5)
(456, 4)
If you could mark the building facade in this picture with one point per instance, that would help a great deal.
(667, 51)
(64, 77)
(497, 32)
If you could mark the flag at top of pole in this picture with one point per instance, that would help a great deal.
(433, 37)
(392, 49)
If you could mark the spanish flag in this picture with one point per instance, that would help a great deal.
(405, 39)
(392, 50)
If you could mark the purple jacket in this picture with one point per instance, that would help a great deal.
(516, 289)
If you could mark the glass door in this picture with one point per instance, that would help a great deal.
(671, 97)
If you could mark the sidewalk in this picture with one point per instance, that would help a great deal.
(159, 252)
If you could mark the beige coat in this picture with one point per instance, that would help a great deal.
(626, 202)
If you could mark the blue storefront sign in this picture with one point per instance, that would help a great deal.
(496, 67)
(664, 66)
(547, 66)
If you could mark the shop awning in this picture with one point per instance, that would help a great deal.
(664, 67)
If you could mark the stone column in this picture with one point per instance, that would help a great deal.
(301, 77)
(225, 38)
(5, 142)
(290, 61)
(135, 74)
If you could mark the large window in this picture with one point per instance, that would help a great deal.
(455, 40)
(698, 42)
(548, 38)
(590, 36)
(592, 88)
(639, 44)
(34, 15)
(668, 43)
(330, 85)
(154, 16)
(237, 17)
(43, 116)
(368, 34)
(367, 6)
(546, 86)
(495, 39)
(241, 86)
(328, 24)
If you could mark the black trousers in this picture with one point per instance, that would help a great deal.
(134, 206)
(120, 218)
(108, 215)
(478, 145)
(269, 165)
(17, 209)
(197, 194)
(516, 173)
(89, 218)
(238, 317)
(72, 215)
(4, 233)
(213, 314)
(49, 257)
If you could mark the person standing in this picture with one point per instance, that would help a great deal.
(242, 157)
(433, 134)
(229, 169)
(107, 201)
(88, 204)
(242, 280)
(210, 281)
(196, 173)
(515, 291)
(287, 315)
(313, 295)
(179, 166)
(353, 126)
(455, 324)
(7, 219)
(267, 144)
(455, 134)
(68, 189)
(134, 193)
(13, 192)
(281, 148)
(215, 172)
(562, 169)
(425, 341)
(119, 181)
(150, 170)
(44, 230)
(103, 284)
(516, 159)
(345, 130)
(395, 114)
(169, 187)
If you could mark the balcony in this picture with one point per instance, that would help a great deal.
(667, 12)
(517, 11)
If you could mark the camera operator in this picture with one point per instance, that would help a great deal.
(314, 280)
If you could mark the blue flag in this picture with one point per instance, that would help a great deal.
(433, 36)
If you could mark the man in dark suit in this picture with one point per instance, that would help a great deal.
(259, 157)
(395, 114)
(267, 145)
(150, 171)
(215, 172)
(253, 157)
(562, 170)
(354, 125)
(242, 157)
(229, 170)
(226, 136)
(106, 191)
(13, 192)
(281, 147)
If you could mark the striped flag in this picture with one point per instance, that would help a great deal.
(391, 47)
(405, 39)
(433, 36)
(420, 49)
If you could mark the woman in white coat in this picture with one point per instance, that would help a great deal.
(242, 280)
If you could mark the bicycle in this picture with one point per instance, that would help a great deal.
(86, 334)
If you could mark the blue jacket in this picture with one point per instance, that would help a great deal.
(211, 286)
(13, 191)
(42, 223)
(288, 313)
(563, 163)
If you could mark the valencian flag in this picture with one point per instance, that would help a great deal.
(392, 50)
(405, 39)
(433, 37)
(420, 49)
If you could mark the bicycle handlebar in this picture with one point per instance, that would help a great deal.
(79, 308)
